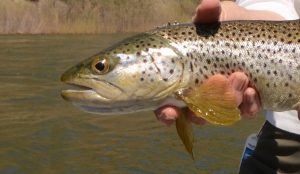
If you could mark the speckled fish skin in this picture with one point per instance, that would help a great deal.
(148, 69)
(268, 52)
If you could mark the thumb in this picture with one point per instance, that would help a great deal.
(208, 11)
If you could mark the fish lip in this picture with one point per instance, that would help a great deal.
(83, 96)
(87, 93)
(78, 87)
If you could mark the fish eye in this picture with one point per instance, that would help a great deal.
(101, 66)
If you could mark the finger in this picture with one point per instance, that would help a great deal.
(167, 114)
(208, 11)
(193, 118)
(251, 104)
(239, 82)
(196, 120)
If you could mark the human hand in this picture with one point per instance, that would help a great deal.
(215, 10)
(246, 96)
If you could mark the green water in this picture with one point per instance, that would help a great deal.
(41, 133)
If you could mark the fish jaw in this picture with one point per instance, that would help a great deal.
(90, 101)
(91, 94)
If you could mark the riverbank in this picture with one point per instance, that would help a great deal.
(90, 16)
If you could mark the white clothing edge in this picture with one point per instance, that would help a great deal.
(288, 120)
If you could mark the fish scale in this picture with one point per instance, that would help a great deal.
(183, 64)
(263, 50)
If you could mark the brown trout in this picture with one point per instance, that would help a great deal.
(171, 65)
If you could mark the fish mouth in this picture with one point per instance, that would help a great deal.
(88, 100)
(91, 91)
(83, 94)
(97, 96)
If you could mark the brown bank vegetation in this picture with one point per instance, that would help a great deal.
(90, 16)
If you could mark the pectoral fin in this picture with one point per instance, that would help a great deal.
(185, 132)
(214, 101)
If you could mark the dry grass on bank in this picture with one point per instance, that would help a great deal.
(90, 16)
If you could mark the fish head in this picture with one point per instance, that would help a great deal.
(137, 74)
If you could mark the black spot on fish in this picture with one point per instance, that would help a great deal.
(191, 67)
(227, 65)
(208, 61)
(201, 71)
(171, 71)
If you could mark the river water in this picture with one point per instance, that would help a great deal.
(41, 133)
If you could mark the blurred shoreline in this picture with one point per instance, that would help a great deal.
(90, 16)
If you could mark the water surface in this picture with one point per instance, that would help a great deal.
(41, 133)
